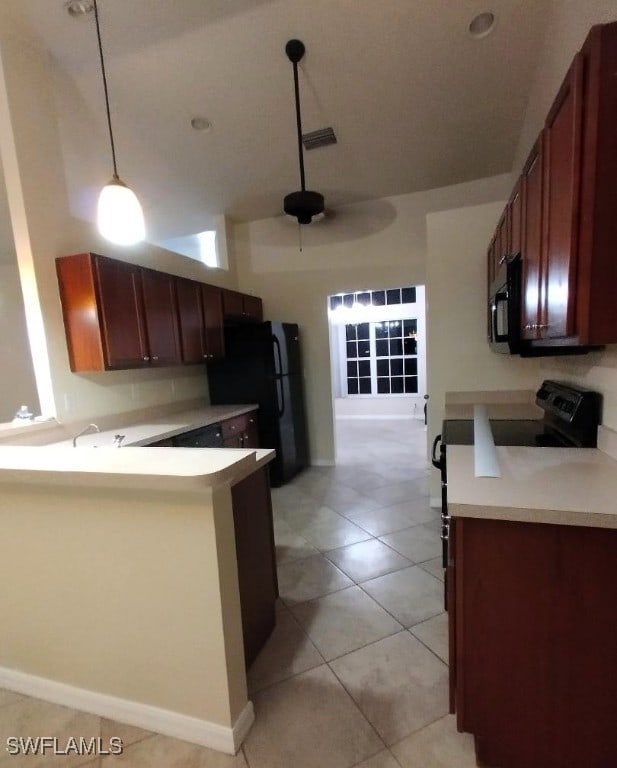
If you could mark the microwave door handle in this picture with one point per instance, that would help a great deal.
(500, 297)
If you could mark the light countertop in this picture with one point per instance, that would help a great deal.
(566, 486)
(96, 463)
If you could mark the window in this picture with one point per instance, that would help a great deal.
(374, 298)
(358, 359)
(382, 357)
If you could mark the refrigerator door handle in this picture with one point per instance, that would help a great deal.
(277, 347)
(280, 396)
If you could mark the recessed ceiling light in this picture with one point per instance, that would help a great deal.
(201, 124)
(79, 7)
(482, 24)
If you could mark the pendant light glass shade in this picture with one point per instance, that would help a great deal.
(120, 218)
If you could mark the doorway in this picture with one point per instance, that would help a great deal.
(377, 356)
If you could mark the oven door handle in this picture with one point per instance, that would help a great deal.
(498, 299)
(436, 462)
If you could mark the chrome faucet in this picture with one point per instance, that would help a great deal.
(118, 440)
(85, 431)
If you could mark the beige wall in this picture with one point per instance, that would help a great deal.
(44, 228)
(111, 606)
(17, 384)
(379, 244)
(569, 24)
(459, 357)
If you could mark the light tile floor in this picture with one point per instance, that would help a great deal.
(355, 672)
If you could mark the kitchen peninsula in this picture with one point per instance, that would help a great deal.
(533, 659)
(128, 576)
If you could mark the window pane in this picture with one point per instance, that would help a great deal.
(410, 346)
(397, 384)
(396, 329)
(352, 349)
(383, 368)
(411, 327)
(336, 302)
(411, 366)
(364, 299)
(378, 298)
(393, 296)
(363, 331)
(350, 331)
(352, 369)
(381, 348)
(381, 330)
(383, 386)
(365, 386)
(352, 386)
(348, 299)
(364, 349)
(396, 347)
(396, 367)
(411, 384)
(409, 295)
(364, 368)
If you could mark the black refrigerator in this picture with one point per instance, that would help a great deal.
(262, 365)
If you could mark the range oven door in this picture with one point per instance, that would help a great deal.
(439, 461)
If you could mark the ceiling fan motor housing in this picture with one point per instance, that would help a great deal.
(303, 205)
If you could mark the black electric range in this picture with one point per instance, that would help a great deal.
(570, 420)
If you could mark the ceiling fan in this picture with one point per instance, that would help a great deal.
(305, 203)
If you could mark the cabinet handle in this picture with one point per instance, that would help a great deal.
(503, 258)
(155, 357)
(206, 356)
(233, 428)
(543, 326)
(531, 327)
(146, 357)
(251, 421)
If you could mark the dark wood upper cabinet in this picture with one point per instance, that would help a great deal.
(190, 315)
(118, 315)
(161, 317)
(103, 313)
(562, 177)
(241, 307)
(568, 222)
(531, 240)
(212, 298)
(515, 213)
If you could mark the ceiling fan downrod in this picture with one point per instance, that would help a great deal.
(304, 204)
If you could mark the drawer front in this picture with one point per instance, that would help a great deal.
(234, 427)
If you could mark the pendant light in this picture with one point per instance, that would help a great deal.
(304, 204)
(120, 218)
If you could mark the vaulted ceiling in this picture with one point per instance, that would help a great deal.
(415, 101)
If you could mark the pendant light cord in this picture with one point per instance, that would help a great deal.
(111, 135)
(298, 124)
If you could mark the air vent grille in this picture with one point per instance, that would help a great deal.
(320, 138)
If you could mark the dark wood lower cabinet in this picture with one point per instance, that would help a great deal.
(256, 554)
(534, 631)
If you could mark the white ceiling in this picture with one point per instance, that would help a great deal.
(416, 103)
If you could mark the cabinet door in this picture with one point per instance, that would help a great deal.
(190, 314)
(252, 308)
(213, 320)
(515, 213)
(161, 317)
(502, 244)
(232, 304)
(250, 437)
(121, 310)
(562, 178)
(531, 247)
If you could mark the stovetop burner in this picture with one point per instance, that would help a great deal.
(571, 418)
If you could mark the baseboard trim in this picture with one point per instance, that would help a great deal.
(322, 463)
(193, 729)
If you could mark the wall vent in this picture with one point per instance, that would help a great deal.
(320, 138)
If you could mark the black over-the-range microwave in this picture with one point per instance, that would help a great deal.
(504, 308)
(504, 322)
